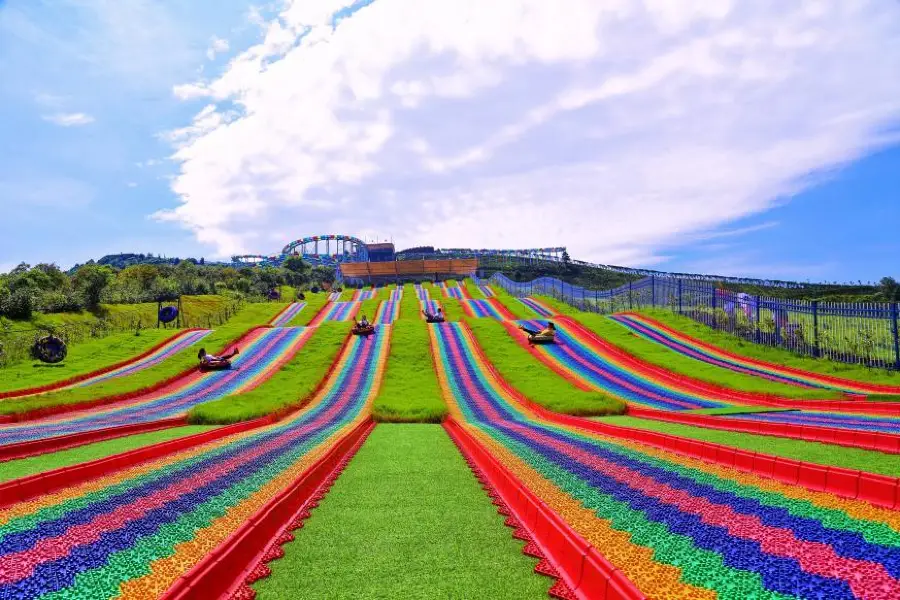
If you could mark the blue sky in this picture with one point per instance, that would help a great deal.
(735, 138)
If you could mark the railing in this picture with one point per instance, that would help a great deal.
(864, 333)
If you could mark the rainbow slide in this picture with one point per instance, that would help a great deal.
(389, 310)
(363, 294)
(688, 346)
(152, 357)
(594, 364)
(675, 527)
(428, 305)
(454, 291)
(156, 528)
(340, 311)
(489, 307)
(263, 352)
(541, 309)
(287, 315)
(486, 290)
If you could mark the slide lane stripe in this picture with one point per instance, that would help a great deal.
(694, 348)
(686, 503)
(540, 309)
(288, 314)
(144, 528)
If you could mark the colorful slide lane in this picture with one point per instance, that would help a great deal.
(136, 533)
(287, 315)
(152, 357)
(389, 310)
(363, 294)
(455, 291)
(263, 352)
(489, 307)
(542, 310)
(486, 290)
(592, 363)
(428, 305)
(688, 346)
(676, 527)
(340, 311)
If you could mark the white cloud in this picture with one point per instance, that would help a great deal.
(69, 119)
(216, 46)
(617, 128)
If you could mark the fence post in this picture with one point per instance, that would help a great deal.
(895, 308)
(680, 307)
(715, 321)
(630, 301)
(815, 308)
(758, 332)
(652, 290)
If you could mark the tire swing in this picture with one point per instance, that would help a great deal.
(50, 349)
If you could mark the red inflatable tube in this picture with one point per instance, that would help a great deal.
(73, 380)
(26, 488)
(583, 573)
(837, 381)
(850, 438)
(36, 447)
(859, 406)
(876, 489)
(66, 408)
(225, 570)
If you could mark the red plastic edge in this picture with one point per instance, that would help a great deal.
(582, 572)
(240, 560)
(881, 442)
(77, 378)
(36, 447)
(66, 408)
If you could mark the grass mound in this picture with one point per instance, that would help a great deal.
(406, 519)
(409, 392)
(248, 317)
(534, 379)
(293, 384)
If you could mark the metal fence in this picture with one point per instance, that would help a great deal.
(863, 332)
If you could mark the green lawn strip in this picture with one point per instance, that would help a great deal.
(406, 519)
(409, 392)
(536, 380)
(735, 410)
(474, 290)
(24, 467)
(778, 356)
(250, 316)
(289, 387)
(659, 355)
(314, 303)
(84, 357)
(813, 452)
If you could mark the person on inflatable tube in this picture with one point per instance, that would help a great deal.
(209, 362)
(547, 335)
(362, 327)
(437, 317)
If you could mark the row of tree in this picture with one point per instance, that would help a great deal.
(46, 288)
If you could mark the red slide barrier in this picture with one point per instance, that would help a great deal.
(73, 380)
(850, 438)
(582, 572)
(66, 408)
(240, 559)
(879, 490)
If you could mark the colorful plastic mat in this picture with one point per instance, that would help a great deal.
(542, 310)
(134, 533)
(287, 315)
(676, 527)
(341, 311)
(483, 308)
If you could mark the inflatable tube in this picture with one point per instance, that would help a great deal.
(167, 314)
(50, 349)
(220, 365)
(541, 339)
(363, 330)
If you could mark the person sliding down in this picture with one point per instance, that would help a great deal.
(547, 334)
(211, 360)
(362, 323)
(437, 317)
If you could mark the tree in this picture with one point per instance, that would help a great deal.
(889, 289)
(90, 281)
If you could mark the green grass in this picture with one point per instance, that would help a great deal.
(822, 454)
(314, 303)
(735, 410)
(249, 316)
(536, 380)
(659, 355)
(406, 519)
(24, 467)
(288, 388)
(85, 357)
(778, 356)
(513, 305)
(409, 392)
